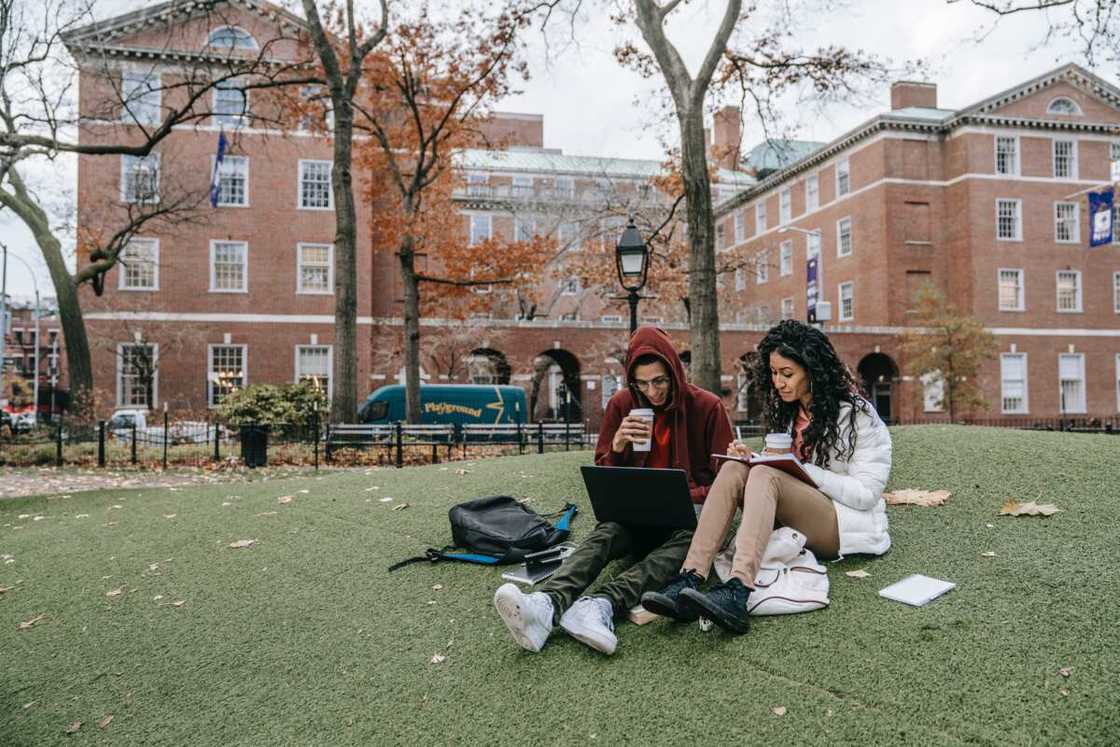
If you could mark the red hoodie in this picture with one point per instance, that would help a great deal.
(699, 422)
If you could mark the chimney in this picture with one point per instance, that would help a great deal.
(906, 93)
(727, 135)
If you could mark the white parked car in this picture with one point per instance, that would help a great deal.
(179, 432)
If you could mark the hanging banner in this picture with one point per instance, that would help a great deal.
(813, 293)
(1101, 217)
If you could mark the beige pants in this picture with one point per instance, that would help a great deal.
(769, 497)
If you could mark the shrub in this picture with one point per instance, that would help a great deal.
(272, 404)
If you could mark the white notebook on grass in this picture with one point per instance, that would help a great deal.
(916, 590)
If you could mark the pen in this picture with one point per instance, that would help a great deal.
(738, 433)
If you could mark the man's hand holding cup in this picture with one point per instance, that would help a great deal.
(636, 429)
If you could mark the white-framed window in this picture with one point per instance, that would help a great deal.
(1116, 292)
(1009, 219)
(226, 371)
(721, 237)
(1067, 225)
(933, 391)
(843, 178)
(141, 96)
(140, 178)
(843, 237)
(1069, 291)
(785, 258)
(740, 280)
(1007, 155)
(139, 261)
(315, 185)
(608, 385)
(569, 316)
(785, 206)
(1114, 165)
(1065, 159)
(229, 267)
(740, 226)
(1071, 380)
(233, 181)
(787, 308)
(315, 269)
(230, 38)
(812, 192)
(1063, 105)
(611, 319)
(478, 185)
(742, 391)
(314, 364)
(847, 301)
(1010, 290)
(317, 109)
(1116, 223)
(812, 245)
(565, 186)
(762, 267)
(521, 186)
(524, 228)
(1013, 383)
(759, 217)
(231, 104)
(138, 375)
(570, 287)
(567, 235)
(482, 228)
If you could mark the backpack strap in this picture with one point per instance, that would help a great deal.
(566, 514)
(434, 556)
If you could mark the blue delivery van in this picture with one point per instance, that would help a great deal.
(449, 404)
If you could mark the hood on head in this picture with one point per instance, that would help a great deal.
(648, 340)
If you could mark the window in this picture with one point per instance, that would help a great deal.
(1013, 383)
(762, 267)
(812, 245)
(140, 178)
(313, 363)
(843, 178)
(787, 308)
(230, 38)
(481, 228)
(567, 234)
(1114, 163)
(785, 255)
(1069, 291)
(140, 94)
(610, 385)
(1067, 227)
(137, 375)
(847, 302)
(740, 226)
(742, 391)
(139, 262)
(231, 104)
(229, 267)
(759, 218)
(565, 186)
(478, 185)
(721, 237)
(1007, 155)
(611, 319)
(524, 229)
(316, 103)
(233, 182)
(1063, 105)
(522, 186)
(315, 185)
(570, 287)
(812, 192)
(1116, 292)
(785, 206)
(226, 372)
(1071, 376)
(1065, 159)
(315, 271)
(740, 280)
(1009, 220)
(844, 237)
(1011, 290)
(569, 316)
(933, 392)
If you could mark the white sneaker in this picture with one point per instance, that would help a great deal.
(591, 620)
(528, 617)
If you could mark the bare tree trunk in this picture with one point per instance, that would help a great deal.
(411, 330)
(344, 405)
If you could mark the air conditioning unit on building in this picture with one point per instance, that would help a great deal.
(824, 311)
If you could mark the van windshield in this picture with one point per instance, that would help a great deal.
(376, 411)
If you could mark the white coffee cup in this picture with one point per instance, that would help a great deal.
(779, 443)
(644, 413)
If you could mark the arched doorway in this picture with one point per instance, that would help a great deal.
(878, 372)
(556, 391)
(487, 366)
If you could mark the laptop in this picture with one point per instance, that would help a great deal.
(640, 496)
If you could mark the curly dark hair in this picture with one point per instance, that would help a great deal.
(831, 384)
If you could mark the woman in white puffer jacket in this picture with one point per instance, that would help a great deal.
(844, 447)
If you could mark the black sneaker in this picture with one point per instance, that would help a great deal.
(665, 601)
(724, 604)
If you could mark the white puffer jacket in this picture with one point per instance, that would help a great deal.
(856, 485)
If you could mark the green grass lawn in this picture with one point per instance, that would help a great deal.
(305, 639)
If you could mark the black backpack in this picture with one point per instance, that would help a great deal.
(496, 531)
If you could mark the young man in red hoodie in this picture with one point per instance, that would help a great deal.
(689, 425)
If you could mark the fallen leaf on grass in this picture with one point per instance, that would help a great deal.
(73, 727)
(1030, 508)
(438, 659)
(28, 705)
(913, 497)
(105, 721)
(81, 516)
(303, 492)
(988, 554)
(285, 499)
(157, 597)
(462, 471)
(384, 500)
(400, 506)
(1063, 692)
(1065, 671)
(116, 505)
(4, 589)
(778, 710)
(26, 624)
(242, 544)
(170, 516)
(267, 513)
(858, 574)
(178, 603)
(437, 587)
(115, 592)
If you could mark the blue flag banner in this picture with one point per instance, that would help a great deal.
(813, 293)
(215, 178)
(1101, 217)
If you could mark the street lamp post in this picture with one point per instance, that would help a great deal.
(821, 311)
(632, 260)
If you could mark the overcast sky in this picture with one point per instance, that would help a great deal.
(592, 106)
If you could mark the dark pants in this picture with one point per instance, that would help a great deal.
(661, 552)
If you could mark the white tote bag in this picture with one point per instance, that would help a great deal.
(789, 579)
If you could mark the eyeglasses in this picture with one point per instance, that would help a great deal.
(659, 383)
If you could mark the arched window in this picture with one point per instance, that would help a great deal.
(231, 37)
(1063, 105)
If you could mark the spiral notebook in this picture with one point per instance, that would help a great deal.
(916, 590)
